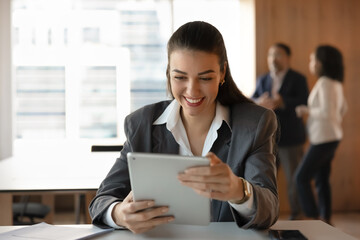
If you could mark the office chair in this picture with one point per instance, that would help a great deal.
(80, 205)
(30, 210)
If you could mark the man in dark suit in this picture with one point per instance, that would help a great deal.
(282, 89)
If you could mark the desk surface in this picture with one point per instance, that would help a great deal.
(55, 172)
(313, 230)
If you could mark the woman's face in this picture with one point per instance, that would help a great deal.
(314, 65)
(194, 79)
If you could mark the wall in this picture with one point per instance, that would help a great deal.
(303, 25)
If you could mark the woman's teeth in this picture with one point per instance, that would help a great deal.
(193, 100)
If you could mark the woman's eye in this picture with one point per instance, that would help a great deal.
(206, 78)
(179, 78)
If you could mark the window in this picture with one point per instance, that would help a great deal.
(34, 87)
(91, 35)
(49, 37)
(81, 66)
(98, 102)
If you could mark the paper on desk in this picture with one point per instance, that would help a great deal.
(46, 231)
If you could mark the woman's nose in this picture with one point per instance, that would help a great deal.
(193, 87)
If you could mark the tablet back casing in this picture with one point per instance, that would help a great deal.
(154, 177)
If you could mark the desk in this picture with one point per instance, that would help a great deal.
(48, 173)
(313, 230)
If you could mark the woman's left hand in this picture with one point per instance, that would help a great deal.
(216, 181)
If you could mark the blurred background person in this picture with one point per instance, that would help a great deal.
(282, 90)
(325, 110)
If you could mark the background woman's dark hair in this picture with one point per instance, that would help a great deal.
(331, 62)
(202, 36)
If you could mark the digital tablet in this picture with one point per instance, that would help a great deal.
(154, 177)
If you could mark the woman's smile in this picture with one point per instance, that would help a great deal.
(194, 102)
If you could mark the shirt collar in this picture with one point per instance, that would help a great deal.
(172, 114)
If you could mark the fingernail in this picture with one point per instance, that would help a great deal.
(151, 203)
(171, 219)
(164, 210)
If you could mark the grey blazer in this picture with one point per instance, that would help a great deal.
(248, 148)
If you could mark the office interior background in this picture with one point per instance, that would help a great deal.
(70, 71)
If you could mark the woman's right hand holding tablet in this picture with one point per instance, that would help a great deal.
(140, 216)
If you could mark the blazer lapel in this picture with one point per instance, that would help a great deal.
(163, 140)
(222, 144)
(221, 148)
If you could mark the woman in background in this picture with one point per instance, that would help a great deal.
(325, 110)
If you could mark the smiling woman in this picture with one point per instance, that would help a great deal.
(209, 116)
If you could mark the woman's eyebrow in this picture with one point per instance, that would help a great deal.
(178, 71)
(205, 72)
(200, 73)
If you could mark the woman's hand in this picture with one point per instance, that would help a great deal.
(216, 181)
(140, 216)
(302, 110)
